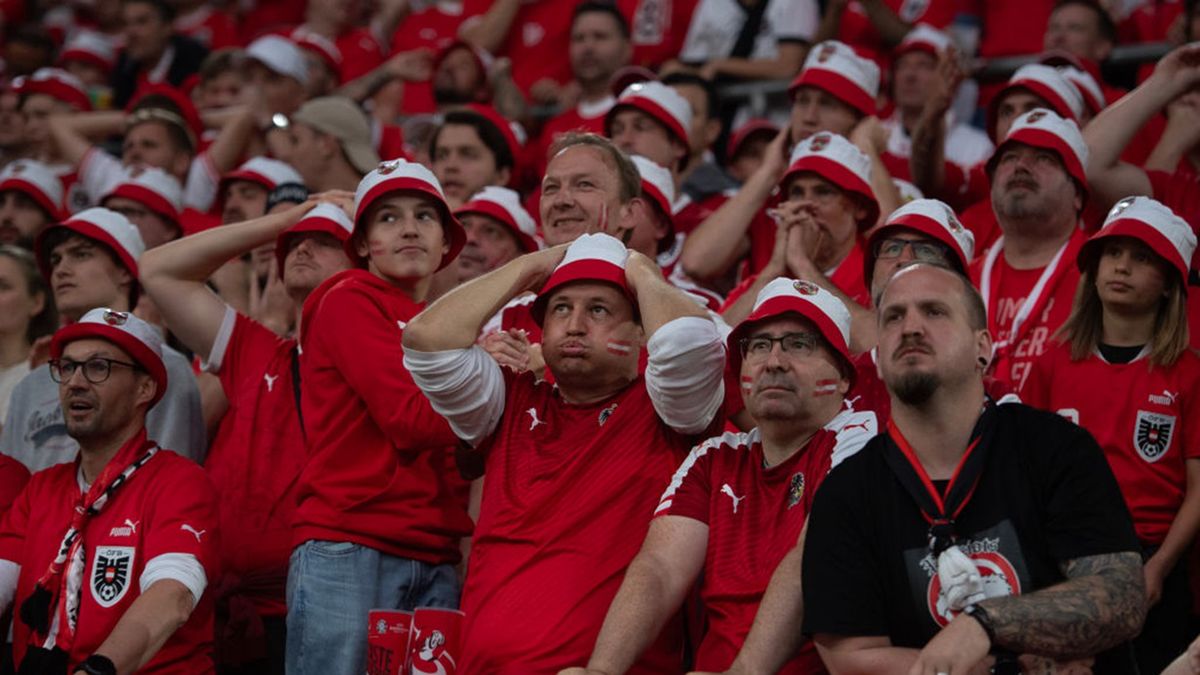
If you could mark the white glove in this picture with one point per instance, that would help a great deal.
(961, 583)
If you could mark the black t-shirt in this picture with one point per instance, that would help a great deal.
(1046, 496)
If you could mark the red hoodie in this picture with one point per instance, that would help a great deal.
(380, 460)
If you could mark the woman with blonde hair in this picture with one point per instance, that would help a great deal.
(26, 314)
(1123, 371)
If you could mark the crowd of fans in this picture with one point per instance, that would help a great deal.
(503, 307)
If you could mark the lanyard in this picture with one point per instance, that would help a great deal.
(939, 509)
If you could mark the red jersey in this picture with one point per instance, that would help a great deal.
(1011, 27)
(1025, 307)
(656, 28)
(378, 455)
(567, 500)
(210, 27)
(432, 28)
(13, 477)
(980, 219)
(847, 277)
(361, 53)
(255, 459)
(754, 516)
(536, 42)
(1147, 439)
(856, 29)
(167, 507)
(691, 214)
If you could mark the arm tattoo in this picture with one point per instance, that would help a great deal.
(1101, 604)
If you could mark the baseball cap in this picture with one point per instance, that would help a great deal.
(1041, 128)
(324, 217)
(797, 296)
(57, 84)
(36, 181)
(107, 227)
(139, 339)
(152, 187)
(932, 218)
(1045, 82)
(833, 66)
(840, 162)
(660, 102)
(1152, 223)
(399, 175)
(344, 120)
(280, 55)
(504, 205)
(264, 171)
(591, 257)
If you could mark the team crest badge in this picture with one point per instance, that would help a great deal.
(795, 489)
(112, 569)
(827, 51)
(1152, 434)
(1035, 116)
(17, 168)
(818, 142)
(952, 221)
(1120, 207)
(114, 318)
(606, 413)
(387, 167)
(805, 287)
(381, 626)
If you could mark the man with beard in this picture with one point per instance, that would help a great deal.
(1028, 277)
(1011, 533)
(258, 449)
(30, 200)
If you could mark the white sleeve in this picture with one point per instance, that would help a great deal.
(465, 386)
(99, 172)
(10, 572)
(794, 19)
(685, 373)
(854, 429)
(200, 190)
(182, 567)
(220, 344)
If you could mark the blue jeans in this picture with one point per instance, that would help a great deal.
(330, 588)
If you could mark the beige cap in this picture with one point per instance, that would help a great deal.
(344, 120)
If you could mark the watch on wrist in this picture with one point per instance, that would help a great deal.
(982, 617)
(97, 665)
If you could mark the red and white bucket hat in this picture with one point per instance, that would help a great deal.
(323, 47)
(923, 38)
(932, 218)
(139, 339)
(504, 206)
(57, 84)
(400, 175)
(805, 298)
(591, 257)
(36, 181)
(1152, 223)
(659, 101)
(107, 227)
(1045, 82)
(153, 188)
(840, 162)
(834, 67)
(1087, 86)
(1041, 128)
(281, 56)
(325, 217)
(264, 171)
(90, 47)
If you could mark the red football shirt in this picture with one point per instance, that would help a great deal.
(1025, 307)
(1147, 438)
(13, 477)
(432, 28)
(255, 460)
(379, 457)
(567, 500)
(856, 29)
(536, 42)
(167, 506)
(847, 277)
(754, 516)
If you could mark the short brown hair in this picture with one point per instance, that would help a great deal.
(629, 180)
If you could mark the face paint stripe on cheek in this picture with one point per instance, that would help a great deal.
(619, 347)
(747, 382)
(825, 387)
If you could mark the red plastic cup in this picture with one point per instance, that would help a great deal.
(436, 641)
(388, 636)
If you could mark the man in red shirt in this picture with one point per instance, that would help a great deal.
(107, 558)
(729, 514)
(380, 509)
(1028, 277)
(573, 470)
(258, 450)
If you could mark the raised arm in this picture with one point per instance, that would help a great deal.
(654, 588)
(720, 241)
(175, 273)
(455, 319)
(927, 159)
(489, 31)
(74, 134)
(1110, 132)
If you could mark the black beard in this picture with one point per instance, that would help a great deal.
(916, 389)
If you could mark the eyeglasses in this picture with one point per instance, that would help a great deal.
(796, 344)
(95, 370)
(925, 251)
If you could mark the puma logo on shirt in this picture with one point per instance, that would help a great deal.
(270, 379)
(194, 531)
(728, 491)
(533, 419)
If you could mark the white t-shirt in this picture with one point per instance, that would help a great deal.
(716, 25)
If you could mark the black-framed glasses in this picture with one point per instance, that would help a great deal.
(925, 251)
(95, 370)
(796, 344)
